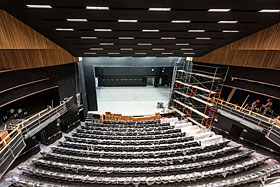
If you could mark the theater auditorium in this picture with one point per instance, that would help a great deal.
(139, 93)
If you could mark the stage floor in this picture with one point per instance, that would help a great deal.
(131, 100)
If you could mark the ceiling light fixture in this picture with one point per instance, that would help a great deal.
(126, 38)
(88, 37)
(189, 53)
(269, 10)
(106, 43)
(127, 21)
(87, 53)
(159, 9)
(64, 29)
(196, 30)
(167, 53)
(230, 31)
(97, 8)
(113, 53)
(158, 49)
(218, 10)
(168, 38)
(227, 21)
(185, 49)
(140, 53)
(180, 21)
(39, 6)
(144, 44)
(126, 49)
(96, 49)
(102, 30)
(78, 20)
(146, 30)
(203, 38)
(182, 44)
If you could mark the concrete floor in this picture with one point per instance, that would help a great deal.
(131, 100)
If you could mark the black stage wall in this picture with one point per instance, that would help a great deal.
(115, 69)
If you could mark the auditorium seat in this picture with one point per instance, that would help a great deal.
(165, 152)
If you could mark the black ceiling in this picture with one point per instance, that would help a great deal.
(46, 20)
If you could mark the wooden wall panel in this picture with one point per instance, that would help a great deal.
(22, 47)
(260, 50)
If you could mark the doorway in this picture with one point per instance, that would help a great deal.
(150, 81)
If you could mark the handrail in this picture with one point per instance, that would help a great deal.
(9, 136)
(244, 109)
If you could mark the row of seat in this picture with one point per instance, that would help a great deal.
(236, 181)
(108, 128)
(158, 169)
(128, 142)
(194, 176)
(129, 133)
(132, 122)
(89, 146)
(139, 154)
(122, 137)
(128, 125)
(142, 160)
(245, 179)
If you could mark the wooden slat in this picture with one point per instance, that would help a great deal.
(194, 98)
(22, 47)
(260, 50)
(206, 76)
(191, 108)
(195, 122)
(201, 75)
(199, 88)
(178, 111)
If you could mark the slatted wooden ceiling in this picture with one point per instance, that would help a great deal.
(21, 47)
(261, 50)
(163, 42)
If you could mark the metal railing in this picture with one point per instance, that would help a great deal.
(13, 145)
(270, 130)
(14, 142)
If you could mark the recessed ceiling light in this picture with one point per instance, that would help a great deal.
(39, 6)
(88, 37)
(127, 21)
(166, 53)
(189, 53)
(230, 31)
(227, 21)
(168, 38)
(96, 49)
(126, 38)
(97, 8)
(146, 30)
(144, 44)
(106, 43)
(196, 30)
(87, 53)
(64, 29)
(185, 49)
(218, 10)
(182, 44)
(159, 9)
(270, 10)
(113, 53)
(180, 21)
(102, 30)
(203, 38)
(140, 53)
(158, 49)
(126, 49)
(79, 20)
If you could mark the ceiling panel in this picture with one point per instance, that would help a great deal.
(47, 20)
